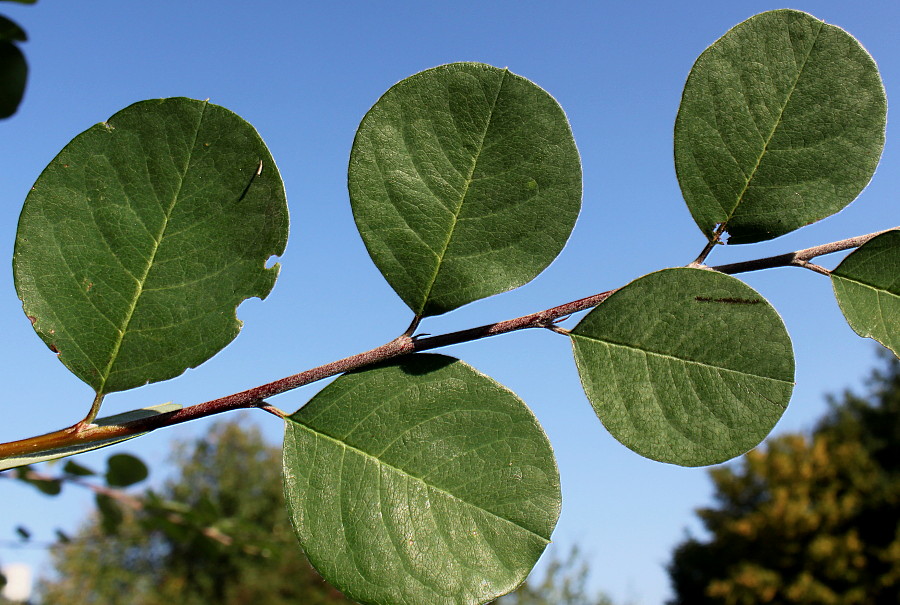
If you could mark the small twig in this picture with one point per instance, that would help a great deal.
(412, 326)
(402, 345)
(91, 415)
(272, 410)
(811, 266)
(788, 259)
(715, 239)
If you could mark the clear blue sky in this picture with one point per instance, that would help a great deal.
(304, 74)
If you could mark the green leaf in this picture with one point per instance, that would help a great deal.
(123, 470)
(62, 452)
(73, 468)
(867, 287)
(140, 239)
(686, 366)
(10, 30)
(420, 481)
(13, 76)
(465, 182)
(48, 487)
(781, 124)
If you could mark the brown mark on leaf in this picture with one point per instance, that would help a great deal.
(53, 348)
(729, 301)
(32, 319)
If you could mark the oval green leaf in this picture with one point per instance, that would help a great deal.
(140, 239)
(781, 124)
(420, 482)
(465, 182)
(123, 470)
(686, 366)
(867, 287)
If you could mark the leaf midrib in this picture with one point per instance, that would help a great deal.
(457, 211)
(157, 242)
(866, 284)
(398, 470)
(679, 359)
(740, 197)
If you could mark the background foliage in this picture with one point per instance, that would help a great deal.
(811, 519)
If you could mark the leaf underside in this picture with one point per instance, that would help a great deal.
(139, 240)
(685, 366)
(420, 481)
(781, 124)
(867, 287)
(465, 182)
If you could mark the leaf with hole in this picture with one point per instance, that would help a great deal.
(140, 239)
(465, 182)
(686, 366)
(420, 481)
(867, 287)
(781, 124)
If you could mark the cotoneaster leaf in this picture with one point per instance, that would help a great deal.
(781, 124)
(139, 240)
(420, 482)
(867, 287)
(686, 366)
(465, 182)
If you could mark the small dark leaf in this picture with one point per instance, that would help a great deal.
(23, 532)
(49, 487)
(73, 468)
(124, 470)
(62, 537)
(10, 30)
(13, 76)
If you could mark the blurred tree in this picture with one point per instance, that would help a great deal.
(807, 519)
(217, 533)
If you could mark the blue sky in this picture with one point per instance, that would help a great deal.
(304, 75)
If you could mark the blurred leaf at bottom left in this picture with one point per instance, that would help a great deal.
(232, 544)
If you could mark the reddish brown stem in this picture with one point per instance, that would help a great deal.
(403, 345)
